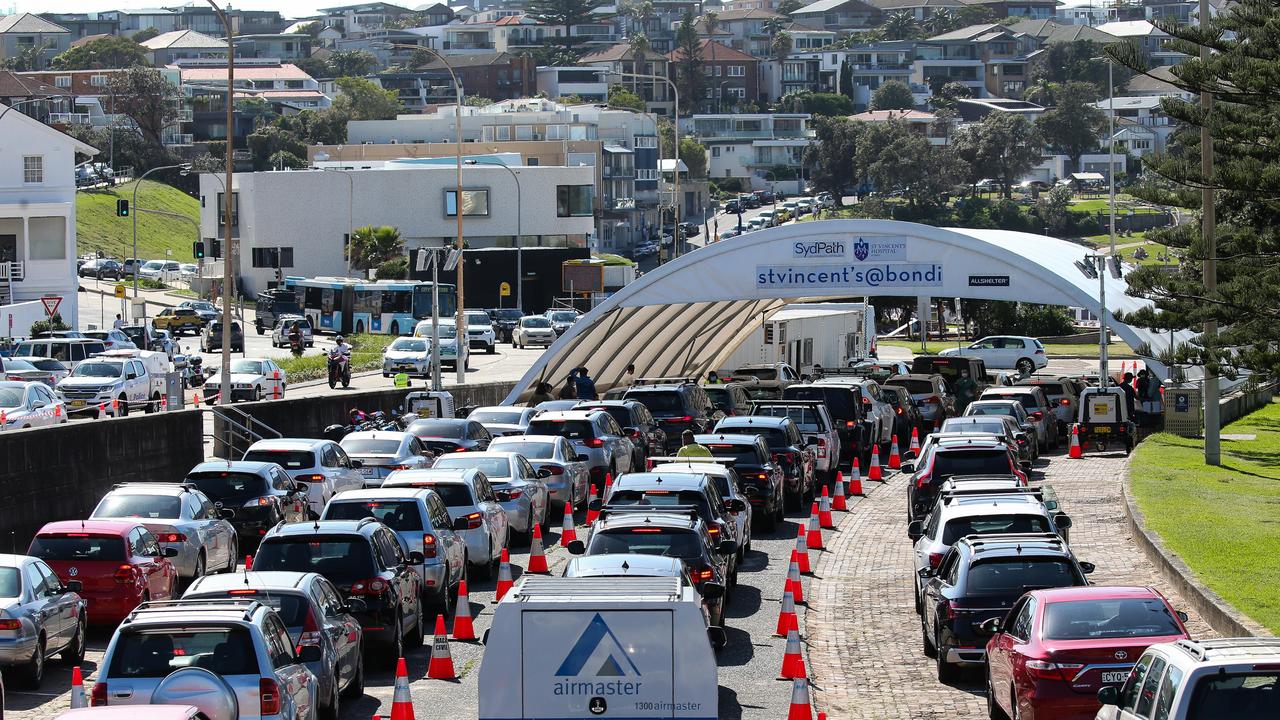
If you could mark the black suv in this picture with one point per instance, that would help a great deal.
(762, 477)
(949, 367)
(261, 494)
(365, 560)
(789, 449)
(954, 457)
(504, 320)
(646, 433)
(678, 406)
(729, 398)
(670, 532)
(980, 577)
(845, 404)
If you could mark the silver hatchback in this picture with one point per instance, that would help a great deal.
(382, 452)
(473, 507)
(518, 486)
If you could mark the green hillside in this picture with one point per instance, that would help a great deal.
(98, 229)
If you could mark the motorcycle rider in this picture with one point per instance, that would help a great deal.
(295, 338)
(342, 346)
(340, 363)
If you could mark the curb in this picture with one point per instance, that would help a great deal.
(1221, 615)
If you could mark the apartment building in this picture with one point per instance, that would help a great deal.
(27, 33)
(168, 48)
(990, 59)
(732, 76)
(762, 149)
(840, 15)
(621, 58)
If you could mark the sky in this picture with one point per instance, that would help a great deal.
(288, 8)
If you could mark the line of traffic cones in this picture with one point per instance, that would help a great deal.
(855, 479)
(567, 533)
(792, 659)
(592, 512)
(914, 448)
(441, 667)
(800, 708)
(401, 703)
(463, 625)
(77, 689)
(787, 619)
(794, 583)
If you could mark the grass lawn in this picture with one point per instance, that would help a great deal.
(366, 354)
(1220, 520)
(1115, 350)
(99, 230)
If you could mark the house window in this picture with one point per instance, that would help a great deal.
(533, 162)
(524, 132)
(717, 70)
(32, 168)
(62, 81)
(47, 238)
(646, 141)
(715, 151)
(574, 200)
(270, 257)
(737, 92)
(474, 202)
(650, 174)
(503, 132)
(737, 71)
(98, 80)
(235, 209)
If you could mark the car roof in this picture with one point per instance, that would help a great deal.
(247, 466)
(1011, 390)
(678, 480)
(1015, 544)
(1096, 592)
(499, 408)
(288, 444)
(729, 438)
(379, 435)
(150, 488)
(554, 415)
(10, 560)
(526, 438)
(508, 456)
(979, 505)
(457, 475)
(381, 493)
(976, 440)
(637, 564)
(323, 527)
(693, 467)
(632, 519)
(252, 579)
(914, 376)
(770, 421)
(597, 404)
(101, 527)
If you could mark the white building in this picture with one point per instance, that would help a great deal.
(299, 220)
(586, 83)
(37, 214)
(766, 148)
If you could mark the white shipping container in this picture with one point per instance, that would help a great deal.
(805, 334)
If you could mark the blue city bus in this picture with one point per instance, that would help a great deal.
(346, 305)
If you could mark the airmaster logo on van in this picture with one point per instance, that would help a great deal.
(599, 663)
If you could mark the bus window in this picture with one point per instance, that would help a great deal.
(326, 300)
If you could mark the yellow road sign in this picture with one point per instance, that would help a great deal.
(120, 290)
(504, 289)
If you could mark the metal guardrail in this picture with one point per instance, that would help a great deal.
(241, 428)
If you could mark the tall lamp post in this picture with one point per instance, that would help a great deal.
(519, 232)
(185, 167)
(1111, 144)
(228, 193)
(675, 126)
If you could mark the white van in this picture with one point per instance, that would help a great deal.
(157, 364)
(633, 647)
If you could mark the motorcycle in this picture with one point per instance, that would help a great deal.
(339, 368)
(195, 374)
(296, 345)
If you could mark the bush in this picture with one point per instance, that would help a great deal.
(397, 269)
(149, 284)
(366, 354)
(53, 323)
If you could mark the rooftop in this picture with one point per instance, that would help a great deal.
(183, 39)
(709, 48)
(284, 71)
(28, 23)
(887, 115)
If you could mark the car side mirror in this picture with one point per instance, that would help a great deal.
(415, 558)
(131, 376)
(915, 530)
(925, 573)
(357, 464)
(300, 487)
(169, 552)
(583, 458)
(1109, 695)
(74, 586)
(990, 626)
(736, 505)
(726, 547)
(576, 547)
(355, 605)
(1087, 567)
(1062, 521)
(712, 590)
(544, 473)
(310, 654)
(595, 504)
(908, 467)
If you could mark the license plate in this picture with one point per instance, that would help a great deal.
(77, 403)
(1114, 678)
(369, 471)
(1102, 430)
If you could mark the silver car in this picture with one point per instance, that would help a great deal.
(568, 475)
(57, 369)
(382, 452)
(517, 485)
(322, 464)
(593, 433)
(233, 659)
(314, 613)
(180, 517)
(407, 355)
(470, 498)
(39, 616)
(284, 326)
(423, 525)
(502, 420)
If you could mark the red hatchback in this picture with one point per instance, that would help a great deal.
(118, 563)
(1056, 648)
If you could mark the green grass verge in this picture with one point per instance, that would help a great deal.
(1115, 350)
(366, 354)
(1222, 521)
(99, 230)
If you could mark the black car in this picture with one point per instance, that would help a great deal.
(763, 478)
(101, 268)
(446, 435)
(906, 414)
(729, 398)
(141, 336)
(365, 560)
(261, 494)
(732, 206)
(645, 432)
(980, 577)
(954, 457)
(949, 367)
(678, 406)
(844, 402)
(504, 320)
(789, 449)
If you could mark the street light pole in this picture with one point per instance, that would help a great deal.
(228, 193)
(1209, 271)
(519, 233)
(1111, 150)
(675, 126)
(137, 184)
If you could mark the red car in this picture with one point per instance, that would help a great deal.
(1056, 648)
(119, 564)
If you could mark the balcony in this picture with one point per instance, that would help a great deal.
(70, 119)
(178, 139)
(13, 271)
(468, 45)
(185, 115)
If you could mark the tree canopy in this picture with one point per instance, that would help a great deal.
(893, 95)
(1072, 125)
(364, 100)
(831, 157)
(1003, 146)
(108, 52)
(147, 98)
(564, 13)
(351, 63)
(819, 103)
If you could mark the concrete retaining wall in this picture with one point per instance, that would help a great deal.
(1236, 406)
(60, 473)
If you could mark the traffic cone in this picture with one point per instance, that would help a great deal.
(822, 716)
(1073, 450)
(838, 500)
(608, 485)
(802, 551)
(401, 703)
(914, 448)
(77, 688)
(787, 619)
(895, 461)
(567, 533)
(855, 482)
(800, 709)
(537, 559)
(592, 513)
(874, 472)
(824, 511)
(814, 541)
(463, 629)
(793, 577)
(441, 667)
(248, 563)
(504, 576)
(792, 660)
(195, 399)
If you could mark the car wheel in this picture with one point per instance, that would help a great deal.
(397, 643)
(201, 566)
(947, 673)
(124, 406)
(1025, 366)
(930, 650)
(419, 627)
(32, 674)
(257, 394)
(233, 559)
(919, 605)
(994, 711)
(355, 688)
(74, 653)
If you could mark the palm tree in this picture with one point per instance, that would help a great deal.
(942, 20)
(901, 25)
(1040, 93)
(372, 246)
(774, 25)
(781, 46)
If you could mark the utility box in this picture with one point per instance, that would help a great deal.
(173, 391)
(1184, 410)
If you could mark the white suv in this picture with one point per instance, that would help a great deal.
(480, 332)
(322, 464)
(1237, 678)
(108, 386)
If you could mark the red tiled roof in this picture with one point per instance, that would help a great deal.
(722, 52)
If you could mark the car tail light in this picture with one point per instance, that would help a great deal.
(428, 546)
(714, 531)
(703, 575)
(898, 410)
(369, 586)
(935, 559)
(1022, 441)
(1037, 415)
(125, 574)
(681, 419)
(514, 494)
(1045, 670)
(10, 624)
(952, 609)
(848, 423)
(646, 530)
(14, 378)
(310, 633)
(243, 591)
(98, 698)
(933, 400)
(922, 481)
(258, 502)
(822, 447)
(593, 442)
(310, 478)
(1039, 352)
(1065, 402)
(475, 520)
(649, 463)
(268, 697)
(397, 467)
(171, 537)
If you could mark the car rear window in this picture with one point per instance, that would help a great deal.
(1051, 389)
(989, 410)
(10, 585)
(971, 462)
(82, 547)
(342, 559)
(1119, 618)
(915, 387)
(662, 498)
(531, 450)
(139, 506)
(292, 609)
(1239, 696)
(758, 373)
(370, 446)
(957, 528)
(399, 515)
(453, 494)
(773, 437)
(1001, 576)
(1028, 401)
(660, 403)
(743, 454)
(571, 429)
(647, 541)
(287, 459)
(493, 467)
(806, 418)
(506, 417)
(232, 486)
(619, 413)
(841, 401)
(964, 426)
(429, 428)
(223, 651)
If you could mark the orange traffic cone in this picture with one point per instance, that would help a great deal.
(248, 563)
(463, 629)
(441, 667)
(822, 716)
(838, 500)
(401, 703)
(802, 551)
(793, 577)
(895, 460)
(787, 619)
(592, 512)
(914, 448)
(855, 481)
(567, 533)
(800, 709)
(1073, 450)
(77, 688)
(874, 472)
(504, 576)
(608, 485)
(824, 511)
(814, 541)
(537, 558)
(792, 660)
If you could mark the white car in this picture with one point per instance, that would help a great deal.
(28, 405)
(502, 420)
(55, 368)
(180, 517)
(410, 355)
(322, 465)
(533, 330)
(284, 325)
(382, 452)
(112, 339)
(187, 271)
(480, 332)
(568, 479)
(160, 270)
(469, 496)
(448, 342)
(1009, 352)
(251, 379)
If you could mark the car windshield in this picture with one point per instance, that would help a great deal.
(342, 559)
(1237, 695)
(116, 505)
(409, 345)
(971, 462)
(494, 467)
(571, 429)
(660, 403)
(77, 546)
(1119, 618)
(806, 418)
(399, 515)
(647, 541)
(742, 454)
(531, 450)
(508, 314)
(99, 369)
(229, 486)
(45, 363)
(957, 528)
(564, 316)
(446, 330)
(478, 319)
(370, 446)
(437, 428)
(152, 265)
(508, 417)
(10, 585)
(223, 651)
(201, 306)
(10, 397)
(537, 322)
(758, 373)
(915, 387)
(287, 459)
(247, 367)
(1003, 576)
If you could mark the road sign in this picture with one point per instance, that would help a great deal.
(504, 289)
(50, 303)
(120, 291)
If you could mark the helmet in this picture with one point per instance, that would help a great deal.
(340, 340)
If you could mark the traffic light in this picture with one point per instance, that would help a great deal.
(197, 249)
(122, 208)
